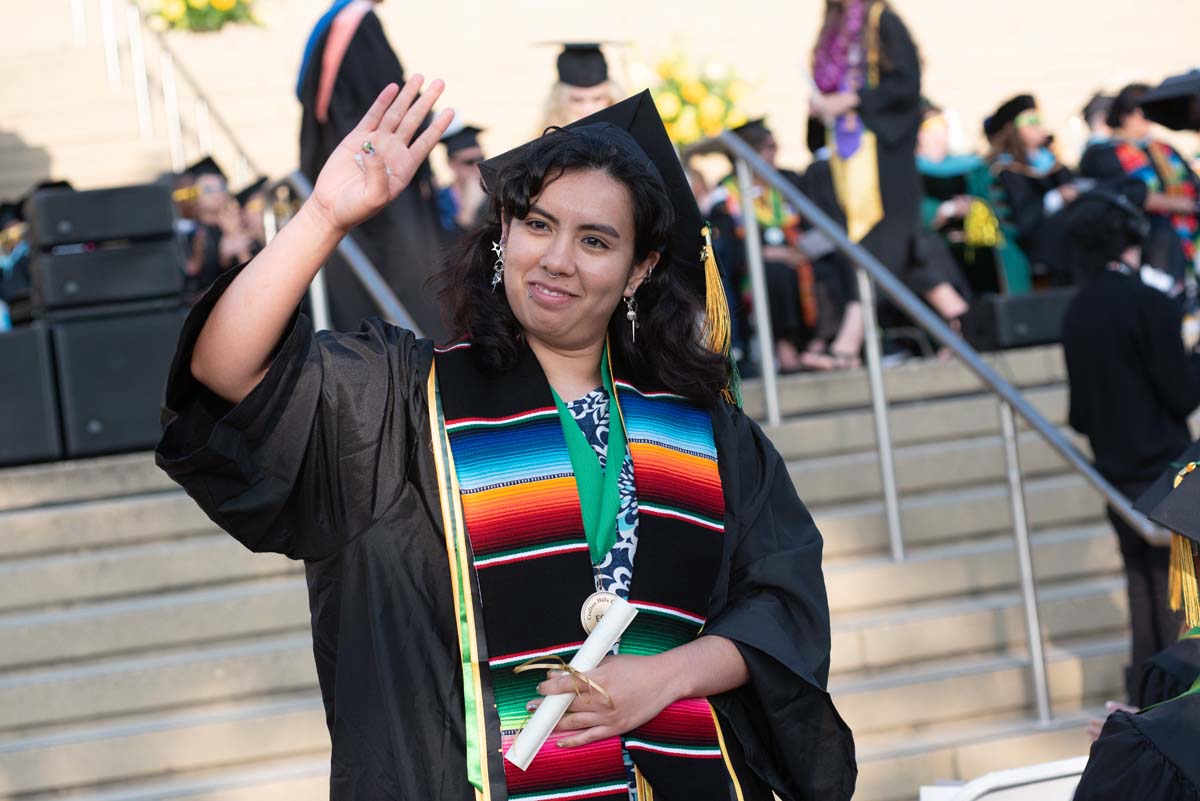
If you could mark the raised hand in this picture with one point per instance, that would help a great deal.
(378, 159)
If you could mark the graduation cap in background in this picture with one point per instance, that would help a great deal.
(635, 127)
(582, 64)
(466, 136)
(244, 196)
(1175, 102)
(1008, 112)
(205, 166)
(752, 130)
(1179, 511)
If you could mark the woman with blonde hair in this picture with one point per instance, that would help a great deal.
(583, 86)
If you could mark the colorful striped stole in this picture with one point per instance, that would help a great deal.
(531, 572)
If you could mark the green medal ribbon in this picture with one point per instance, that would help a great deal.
(599, 493)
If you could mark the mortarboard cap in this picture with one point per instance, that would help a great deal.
(1008, 112)
(582, 64)
(467, 136)
(635, 127)
(243, 197)
(205, 166)
(1149, 500)
(1179, 511)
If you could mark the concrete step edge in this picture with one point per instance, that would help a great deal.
(955, 667)
(957, 734)
(189, 786)
(162, 723)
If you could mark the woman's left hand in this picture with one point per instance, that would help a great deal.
(833, 105)
(638, 687)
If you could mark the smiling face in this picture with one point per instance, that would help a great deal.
(569, 262)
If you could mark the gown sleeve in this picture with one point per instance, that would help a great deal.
(775, 612)
(317, 450)
(891, 109)
(1126, 763)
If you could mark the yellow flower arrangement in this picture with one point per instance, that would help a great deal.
(204, 15)
(698, 102)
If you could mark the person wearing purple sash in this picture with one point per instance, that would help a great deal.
(868, 74)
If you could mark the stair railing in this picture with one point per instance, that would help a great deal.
(870, 272)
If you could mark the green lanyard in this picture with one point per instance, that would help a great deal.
(599, 493)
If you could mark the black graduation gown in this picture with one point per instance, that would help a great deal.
(892, 111)
(403, 240)
(1161, 248)
(329, 459)
(1150, 756)
(1041, 236)
(1171, 673)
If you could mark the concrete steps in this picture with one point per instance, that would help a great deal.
(148, 655)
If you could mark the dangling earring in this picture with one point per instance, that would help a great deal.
(498, 268)
(631, 316)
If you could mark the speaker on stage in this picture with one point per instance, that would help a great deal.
(111, 372)
(66, 217)
(103, 246)
(998, 322)
(28, 399)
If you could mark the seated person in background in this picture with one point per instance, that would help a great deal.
(252, 202)
(1171, 202)
(460, 204)
(1095, 117)
(219, 241)
(1033, 186)
(790, 279)
(958, 206)
(1132, 387)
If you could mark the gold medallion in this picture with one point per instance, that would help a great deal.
(594, 608)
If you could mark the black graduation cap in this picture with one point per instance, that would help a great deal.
(635, 127)
(1008, 112)
(582, 64)
(243, 197)
(1175, 102)
(1179, 511)
(205, 166)
(1149, 500)
(465, 137)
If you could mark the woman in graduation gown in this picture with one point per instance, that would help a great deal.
(1033, 186)
(453, 509)
(867, 69)
(346, 62)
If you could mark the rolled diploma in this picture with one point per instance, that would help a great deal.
(553, 707)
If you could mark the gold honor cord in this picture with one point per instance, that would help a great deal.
(578, 676)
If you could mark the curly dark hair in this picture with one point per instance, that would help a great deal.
(669, 353)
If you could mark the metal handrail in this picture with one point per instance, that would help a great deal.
(870, 270)
(1014, 779)
(928, 320)
(360, 265)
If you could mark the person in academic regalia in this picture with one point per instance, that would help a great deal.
(216, 242)
(252, 202)
(460, 508)
(1151, 755)
(583, 86)
(1173, 190)
(347, 61)
(461, 204)
(1033, 186)
(958, 206)
(1172, 671)
(1132, 387)
(868, 71)
(803, 330)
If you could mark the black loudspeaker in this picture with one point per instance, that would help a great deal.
(997, 322)
(111, 373)
(28, 398)
(143, 270)
(64, 217)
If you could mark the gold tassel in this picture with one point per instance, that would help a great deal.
(1183, 591)
(716, 308)
(719, 327)
(644, 792)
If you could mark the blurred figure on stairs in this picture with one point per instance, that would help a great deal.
(1132, 387)
(347, 62)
